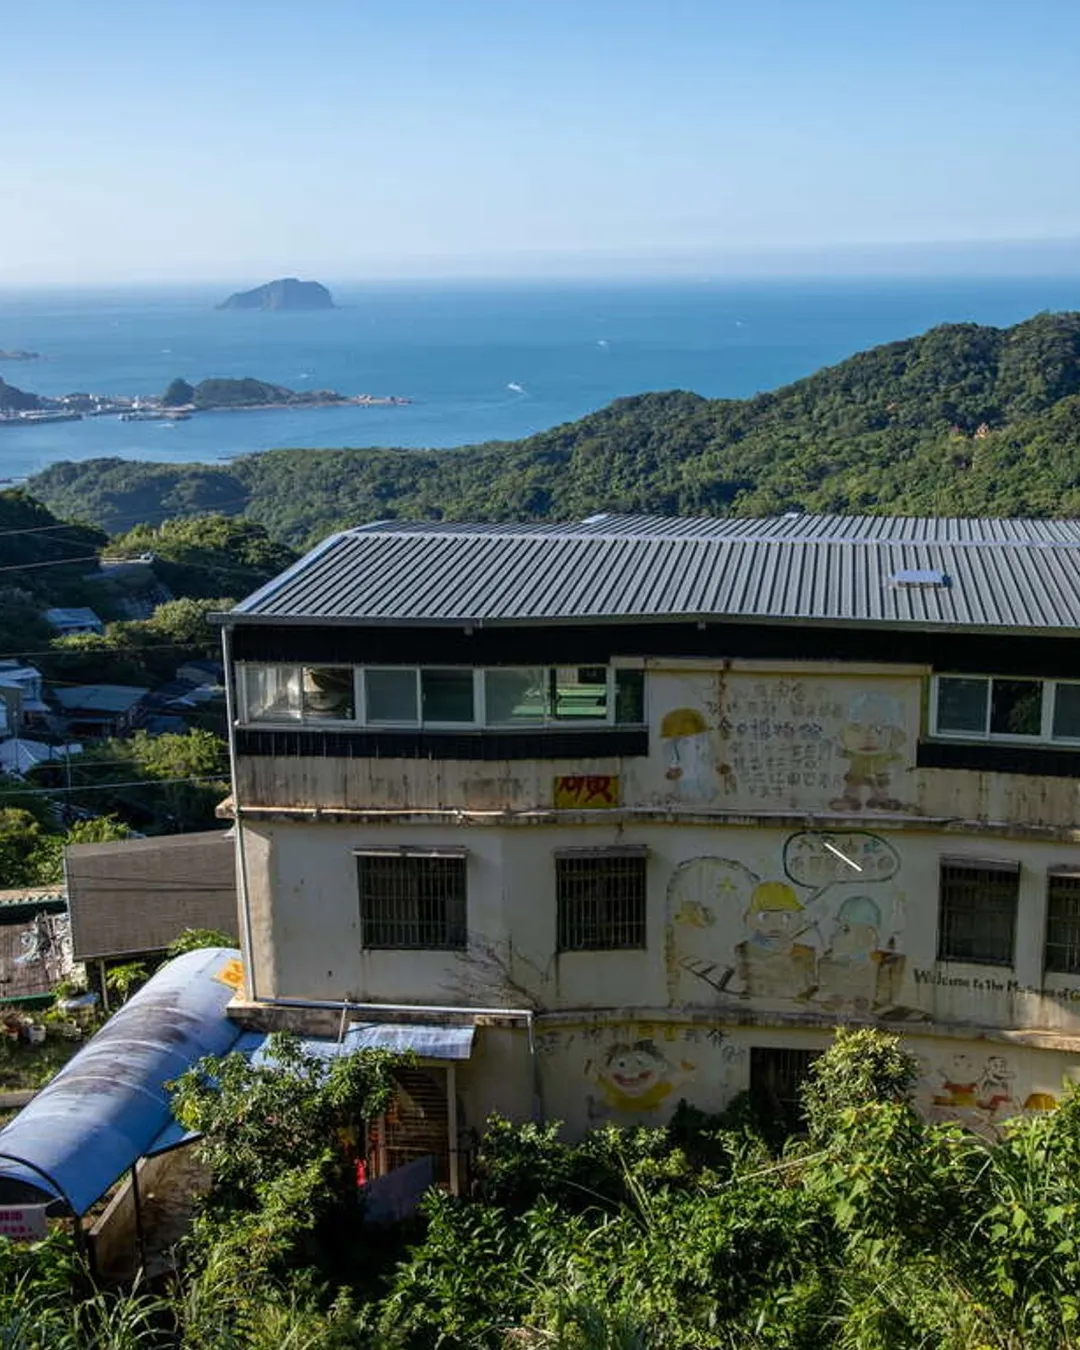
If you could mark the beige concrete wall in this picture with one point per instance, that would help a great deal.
(633, 1071)
(739, 738)
(857, 943)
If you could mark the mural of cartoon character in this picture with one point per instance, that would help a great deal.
(960, 1083)
(635, 1077)
(995, 1085)
(870, 741)
(848, 968)
(855, 971)
(691, 766)
(771, 962)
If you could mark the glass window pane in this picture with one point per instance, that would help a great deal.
(271, 693)
(1067, 711)
(1016, 708)
(447, 695)
(327, 691)
(630, 698)
(515, 696)
(579, 693)
(961, 705)
(390, 694)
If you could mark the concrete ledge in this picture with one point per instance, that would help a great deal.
(306, 1021)
(643, 815)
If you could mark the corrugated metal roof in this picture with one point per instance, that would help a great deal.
(107, 1105)
(1000, 574)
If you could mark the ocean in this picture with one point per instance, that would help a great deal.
(480, 361)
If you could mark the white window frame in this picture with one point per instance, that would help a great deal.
(420, 724)
(244, 711)
(479, 721)
(1045, 736)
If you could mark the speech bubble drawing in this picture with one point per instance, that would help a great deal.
(820, 858)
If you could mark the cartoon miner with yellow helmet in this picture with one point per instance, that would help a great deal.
(690, 765)
(771, 962)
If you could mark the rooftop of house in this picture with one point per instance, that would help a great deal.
(19, 755)
(79, 617)
(918, 572)
(102, 698)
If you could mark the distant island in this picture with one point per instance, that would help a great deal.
(216, 395)
(17, 354)
(19, 407)
(285, 293)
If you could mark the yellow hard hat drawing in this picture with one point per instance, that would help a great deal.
(773, 895)
(682, 722)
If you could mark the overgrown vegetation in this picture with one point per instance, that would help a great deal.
(877, 1231)
(964, 420)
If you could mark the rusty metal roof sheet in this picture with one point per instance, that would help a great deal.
(995, 574)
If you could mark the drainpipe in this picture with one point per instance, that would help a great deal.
(246, 940)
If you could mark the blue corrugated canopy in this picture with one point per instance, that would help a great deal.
(108, 1105)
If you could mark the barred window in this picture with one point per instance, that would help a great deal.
(412, 900)
(1063, 923)
(977, 920)
(776, 1079)
(600, 900)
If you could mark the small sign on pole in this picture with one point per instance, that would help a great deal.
(23, 1223)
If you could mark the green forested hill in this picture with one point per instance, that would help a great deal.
(962, 420)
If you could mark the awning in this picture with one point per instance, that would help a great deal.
(425, 1040)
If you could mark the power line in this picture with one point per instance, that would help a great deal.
(44, 529)
(56, 562)
(142, 518)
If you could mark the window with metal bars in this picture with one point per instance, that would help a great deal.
(600, 899)
(977, 918)
(776, 1079)
(1063, 923)
(412, 900)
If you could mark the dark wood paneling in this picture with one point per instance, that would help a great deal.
(598, 743)
(593, 644)
(994, 757)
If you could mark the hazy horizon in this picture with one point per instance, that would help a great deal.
(961, 260)
(202, 143)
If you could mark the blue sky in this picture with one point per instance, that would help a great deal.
(357, 138)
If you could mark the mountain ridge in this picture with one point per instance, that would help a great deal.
(963, 419)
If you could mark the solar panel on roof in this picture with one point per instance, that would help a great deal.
(919, 576)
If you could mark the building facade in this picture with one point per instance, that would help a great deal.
(653, 806)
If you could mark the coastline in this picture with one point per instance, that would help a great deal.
(154, 412)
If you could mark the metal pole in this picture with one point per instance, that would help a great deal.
(247, 944)
(140, 1235)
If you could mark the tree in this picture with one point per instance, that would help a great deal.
(47, 858)
(21, 835)
(125, 979)
(210, 555)
(164, 784)
(196, 939)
